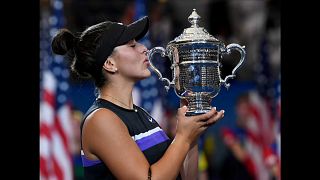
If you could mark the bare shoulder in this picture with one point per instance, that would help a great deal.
(106, 137)
(101, 124)
(103, 118)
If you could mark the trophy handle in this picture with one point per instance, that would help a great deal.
(228, 51)
(162, 51)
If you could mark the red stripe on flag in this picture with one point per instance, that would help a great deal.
(250, 167)
(45, 130)
(61, 133)
(49, 97)
(43, 167)
(57, 169)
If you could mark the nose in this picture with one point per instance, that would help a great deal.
(145, 51)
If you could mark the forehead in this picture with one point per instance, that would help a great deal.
(124, 46)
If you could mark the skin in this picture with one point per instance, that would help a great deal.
(103, 129)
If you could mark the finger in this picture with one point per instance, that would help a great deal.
(208, 115)
(219, 115)
(204, 124)
(203, 127)
(204, 117)
(182, 111)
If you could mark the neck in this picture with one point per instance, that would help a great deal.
(120, 96)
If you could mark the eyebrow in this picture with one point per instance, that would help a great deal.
(131, 41)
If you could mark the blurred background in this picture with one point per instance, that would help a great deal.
(245, 144)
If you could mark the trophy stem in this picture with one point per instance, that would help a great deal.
(199, 103)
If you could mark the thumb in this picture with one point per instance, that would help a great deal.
(182, 111)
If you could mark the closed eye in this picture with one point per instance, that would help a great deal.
(132, 43)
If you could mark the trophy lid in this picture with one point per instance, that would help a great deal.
(194, 33)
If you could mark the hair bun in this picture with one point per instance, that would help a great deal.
(62, 42)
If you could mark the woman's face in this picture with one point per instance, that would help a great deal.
(131, 60)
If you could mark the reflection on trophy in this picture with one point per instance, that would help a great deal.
(195, 57)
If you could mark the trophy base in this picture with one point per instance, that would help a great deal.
(195, 113)
(198, 104)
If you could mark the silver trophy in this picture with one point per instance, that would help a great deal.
(195, 60)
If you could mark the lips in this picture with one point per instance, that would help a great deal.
(146, 61)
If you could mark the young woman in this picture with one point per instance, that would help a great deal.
(120, 140)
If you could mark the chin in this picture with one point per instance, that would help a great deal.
(148, 73)
(147, 76)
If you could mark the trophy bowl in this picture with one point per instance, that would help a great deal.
(195, 58)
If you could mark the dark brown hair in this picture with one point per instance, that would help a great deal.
(81, 51)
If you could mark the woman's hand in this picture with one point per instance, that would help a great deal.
(191, 127)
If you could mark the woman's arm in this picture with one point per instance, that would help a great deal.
(190, 165)
(106, 137)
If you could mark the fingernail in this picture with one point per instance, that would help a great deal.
(222, 111)
(214, 108)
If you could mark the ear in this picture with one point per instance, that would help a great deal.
(110, 65)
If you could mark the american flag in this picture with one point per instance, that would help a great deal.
(263, 142)
(55, 111)
(257, 134)
(147, 93)
(261, 139)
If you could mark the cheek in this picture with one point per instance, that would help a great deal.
(128, 58)
(131, 65)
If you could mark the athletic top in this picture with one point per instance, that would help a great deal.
(144, 130)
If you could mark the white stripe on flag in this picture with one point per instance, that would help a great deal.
(44, 147)
(49, 82)
(61, 156)
(64, 114)
(46, 113)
